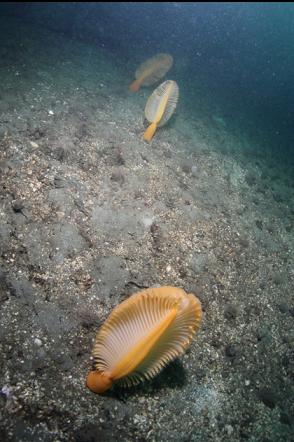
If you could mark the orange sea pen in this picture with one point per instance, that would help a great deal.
(160, 106)
(151, 71)
(143, 334)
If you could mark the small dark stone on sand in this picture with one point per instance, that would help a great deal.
(277, 279)
(94, 433)
(17, 206)
(59, 182)
(285, 418)
(230, 312)
(264, 334)
(268, 397)
(231, 351)
(216, 343)
(4, 287)
(186, 167)
(118, 177)
(244, 242)
(119, 159)
(259, 224)
(283, 307)
(250, 179)
(200, 373)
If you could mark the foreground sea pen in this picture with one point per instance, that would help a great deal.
(143, 334)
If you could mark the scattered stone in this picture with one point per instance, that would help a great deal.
(38, 342)
(259, 224)
(194, 170)
(264, 334)
(268, 397)
(17, 206)
(283, 307)
(59, 182)
(231, 351)
(118, 177)
(230, 312)
(34, 144)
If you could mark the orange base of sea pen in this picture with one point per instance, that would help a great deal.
(135, 86)
(150, 131)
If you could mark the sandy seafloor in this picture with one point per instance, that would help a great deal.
(90, 214)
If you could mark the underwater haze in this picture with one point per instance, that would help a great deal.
(144, 145)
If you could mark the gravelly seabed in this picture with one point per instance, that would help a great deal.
(90, 213)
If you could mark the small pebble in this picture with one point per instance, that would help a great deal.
(231, 351)
(229, 429)
(17, 206)
(283, 307)
(194, 170)
(58, 182)
(38, 342)
(230, 312)
(268, 397)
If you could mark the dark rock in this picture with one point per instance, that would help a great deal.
(64, 361)
(230, 312)
(21, 288)
(268, 397)
(264, 334)
(158, 237)
(5, 232)
(97, 433)
(278, 197)
(118, 177)
(17, 206)
(59, 182)
(40, 359)
(283, 307)
(200, 373)
(3, 435)
(216, 343)
(250, 179)
(231, 351)
(259, 224)
(286, 419)
(4, 287)
(277, 279)
(186, 167)
(167, 154)
(118, 158)
(244, 242)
